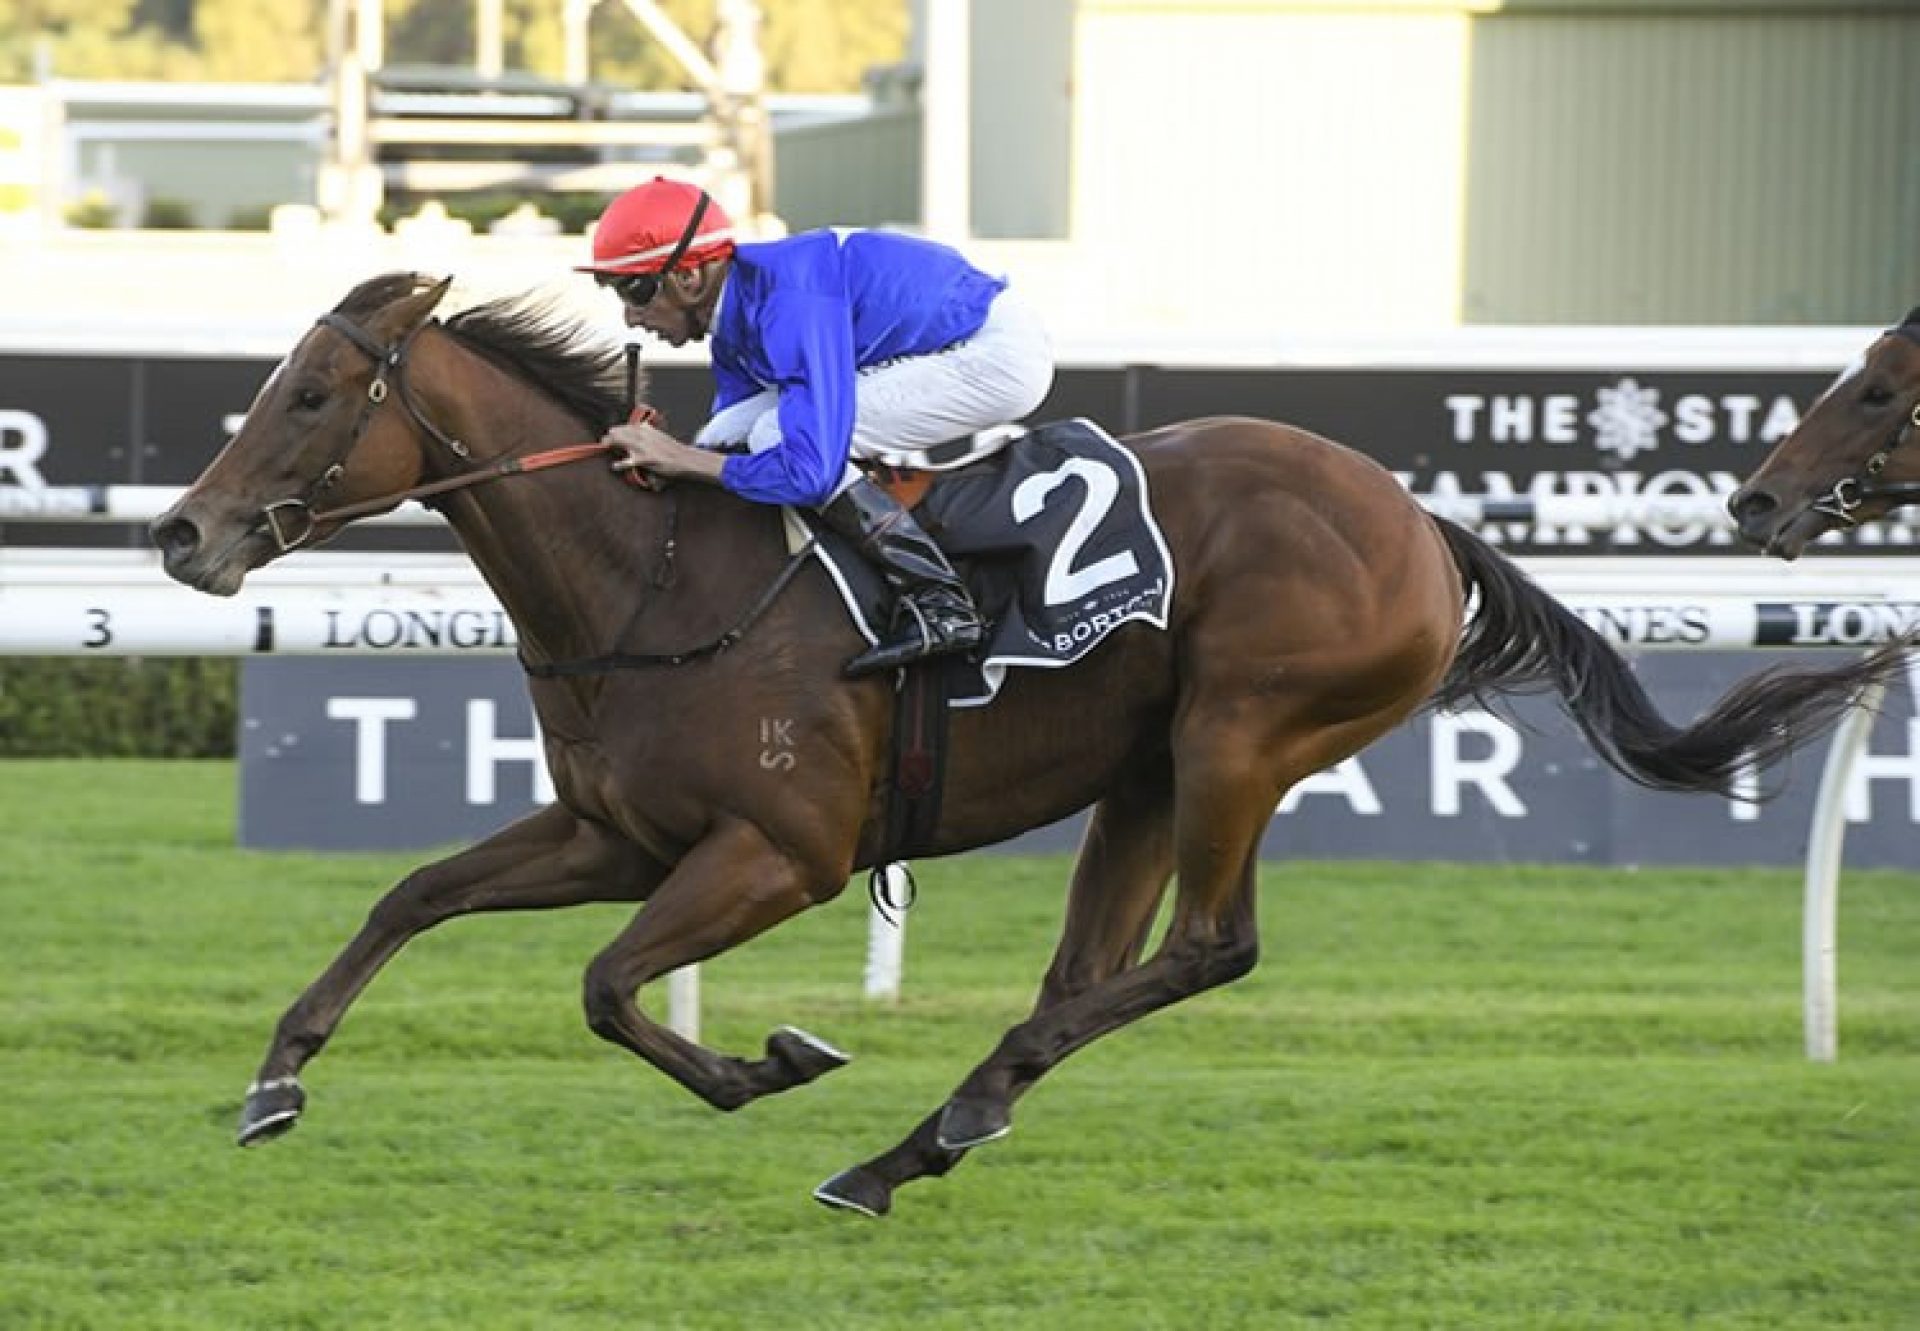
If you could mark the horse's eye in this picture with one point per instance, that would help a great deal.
(309, 399)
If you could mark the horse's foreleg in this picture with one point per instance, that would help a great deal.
(1122, 871)
(732, 885)
(549, 858)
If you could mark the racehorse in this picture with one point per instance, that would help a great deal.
(1318, 607)
(1849, 459)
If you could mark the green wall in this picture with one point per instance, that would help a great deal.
(1693, 163)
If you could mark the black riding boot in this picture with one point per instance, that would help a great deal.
(933, 614)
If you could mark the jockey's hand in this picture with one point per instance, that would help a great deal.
(654, 452)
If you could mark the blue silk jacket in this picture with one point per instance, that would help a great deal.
(804, 315)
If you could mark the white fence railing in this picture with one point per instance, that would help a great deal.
(137, 503)
(58, 602)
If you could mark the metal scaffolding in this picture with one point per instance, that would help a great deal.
(730, 144)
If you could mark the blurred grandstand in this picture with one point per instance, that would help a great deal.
(1334, 168)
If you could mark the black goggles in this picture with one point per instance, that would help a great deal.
(637, 289)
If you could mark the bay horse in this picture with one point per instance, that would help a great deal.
(1854, 456)
(1318, 607)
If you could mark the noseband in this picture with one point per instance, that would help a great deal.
(1851, 492)
(292, 522)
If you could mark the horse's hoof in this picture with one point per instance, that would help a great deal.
(272, 1107)
(965, 1124)
(805, 1056)
(856, 1190)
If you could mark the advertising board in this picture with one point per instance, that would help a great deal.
(361, 752)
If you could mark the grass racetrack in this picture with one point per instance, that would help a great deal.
(1449, 1097)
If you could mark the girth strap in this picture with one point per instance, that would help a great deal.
(920, 714)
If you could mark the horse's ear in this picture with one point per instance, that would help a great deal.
(409, 312)
(1913, 318)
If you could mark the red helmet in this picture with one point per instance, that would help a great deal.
(652, 223)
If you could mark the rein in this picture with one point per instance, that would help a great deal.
(1851, 492)
(507, 466)
(391, 361)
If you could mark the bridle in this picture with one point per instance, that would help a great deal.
(391, 364)
(1850, 493)
(292, 522)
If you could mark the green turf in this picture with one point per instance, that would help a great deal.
(1449, 1097)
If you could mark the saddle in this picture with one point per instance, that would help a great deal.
(1055, 538)
(1057, 543)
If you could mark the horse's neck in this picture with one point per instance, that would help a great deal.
(565, 549)
(584, 563)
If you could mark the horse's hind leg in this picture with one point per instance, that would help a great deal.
(549, 858)
(1229, 776)
(1123, 867)
(732, 885)
(1225, 789)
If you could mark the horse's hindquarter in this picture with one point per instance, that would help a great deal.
(1306, 572)
(1315, 607)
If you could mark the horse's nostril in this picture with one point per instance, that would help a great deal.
(1747, 505)
(176, 537)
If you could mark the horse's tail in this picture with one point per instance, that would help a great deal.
(1519, 639)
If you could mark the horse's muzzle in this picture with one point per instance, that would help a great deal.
(184, 554)
(1768, 525)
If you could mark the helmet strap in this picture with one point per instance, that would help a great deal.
(685, 242)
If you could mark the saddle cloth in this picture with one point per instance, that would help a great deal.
(1054, 536)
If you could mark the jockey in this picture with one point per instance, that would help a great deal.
(827, 346)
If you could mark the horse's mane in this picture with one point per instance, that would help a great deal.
(532, 337)
(529, 336)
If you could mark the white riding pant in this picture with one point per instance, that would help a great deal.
(905, 406)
